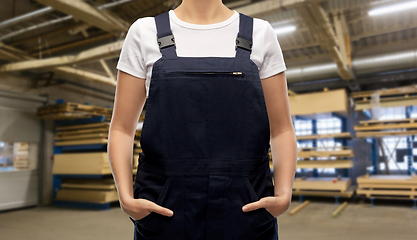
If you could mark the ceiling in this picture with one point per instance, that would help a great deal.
(332, 31)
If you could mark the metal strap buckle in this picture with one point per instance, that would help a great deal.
(243, 43)
(166, 41)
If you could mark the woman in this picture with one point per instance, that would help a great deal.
(215, 103)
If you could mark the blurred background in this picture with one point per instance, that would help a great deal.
(352, 81)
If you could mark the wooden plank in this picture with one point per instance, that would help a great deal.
(385, 126)
(369, 193)
(93, 196)
(374, 186)
(326, 154)
(387, 179)
(81, 163)
(347, 194)
(299, 208)
(320, 102)
(339, 210)
(403, 120)
(81, 126)
(93, 184)
(322, 184)
(387, 102)
(82, 131)
(322, 136)
(313, 164)
(82, 142)
(385, 133)
(82, 136)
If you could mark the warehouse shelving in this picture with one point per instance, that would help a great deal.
(376, 185)
(58, 179)
(82, 176)
(312, 107)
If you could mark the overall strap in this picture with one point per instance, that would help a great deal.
(244, 37)
(165, 37)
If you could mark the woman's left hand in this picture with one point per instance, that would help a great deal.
(274, 205)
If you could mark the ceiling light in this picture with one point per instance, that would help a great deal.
(286, 29)
(392, 8)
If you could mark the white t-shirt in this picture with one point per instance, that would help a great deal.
(140, 49)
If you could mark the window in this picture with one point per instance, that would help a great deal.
(14, 156)
(393, 145)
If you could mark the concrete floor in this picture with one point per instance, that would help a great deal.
(358, 221)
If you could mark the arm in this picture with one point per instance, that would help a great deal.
(283, 146)
(129, 100)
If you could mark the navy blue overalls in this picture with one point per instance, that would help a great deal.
(205, 142)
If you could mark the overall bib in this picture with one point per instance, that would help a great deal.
(205, 142)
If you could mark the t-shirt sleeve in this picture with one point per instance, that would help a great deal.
(131, 58)
(273, 60)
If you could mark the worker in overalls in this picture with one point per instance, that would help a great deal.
(217, 101)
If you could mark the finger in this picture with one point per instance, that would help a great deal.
(253, 206)
(161, 210)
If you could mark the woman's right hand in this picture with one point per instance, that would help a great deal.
(140, 208)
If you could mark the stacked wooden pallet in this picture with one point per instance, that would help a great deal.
(68, 110)
(81, 163)
(331, 157)
(91, 169)
(21, 155)
(88, 190)
(91, 133)
(324, 136)
(388, 186)
(393, 127)
(323, 187)
(393, 97)
(312, 105)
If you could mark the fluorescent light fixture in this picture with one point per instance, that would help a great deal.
(286, 29)
(392, 8)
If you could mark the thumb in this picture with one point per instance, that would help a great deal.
(161, 210)
(252, 206)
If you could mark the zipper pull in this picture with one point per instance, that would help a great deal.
(237, 73)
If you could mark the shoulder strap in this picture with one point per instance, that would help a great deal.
(244, 37)
(165, 37)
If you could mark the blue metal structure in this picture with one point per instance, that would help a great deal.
(343, 141)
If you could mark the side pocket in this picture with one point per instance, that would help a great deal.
(160, 199)
(255, 197)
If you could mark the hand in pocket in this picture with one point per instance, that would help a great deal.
(274, 205)
(140, 208)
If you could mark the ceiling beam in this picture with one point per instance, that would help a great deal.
(86, 75)
(299, 46)
(267, 7)
(343, 38)
(107, 69)
(399, 28)
(73, 45)
(102, 52)
(13, 54)
(89, 14)
(316, 19)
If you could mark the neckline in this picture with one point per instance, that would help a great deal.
(181, 23)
